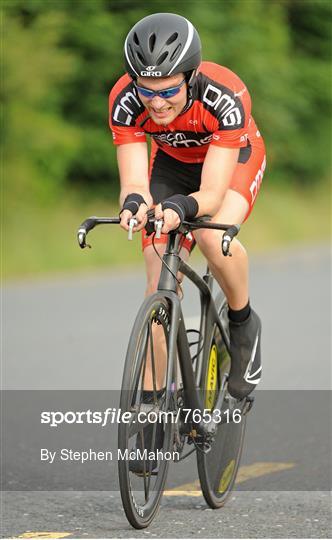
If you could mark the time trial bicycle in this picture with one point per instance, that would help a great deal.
(189, 408)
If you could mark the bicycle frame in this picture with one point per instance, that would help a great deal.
(168, 287)
(178, 341)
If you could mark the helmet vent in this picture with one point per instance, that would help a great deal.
(161, 58)
(152, 41)
(141, 58)
(131, 50)
(172, 38)
(175, 53)
(136, 40)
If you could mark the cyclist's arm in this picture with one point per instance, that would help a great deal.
(218, 168)
(133, 168)
(134, 178)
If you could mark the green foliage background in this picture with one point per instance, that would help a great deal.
(60, 58)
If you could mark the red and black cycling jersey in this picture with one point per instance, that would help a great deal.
(218, 113)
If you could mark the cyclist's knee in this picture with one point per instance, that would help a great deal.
(209, 243)
(207, 240)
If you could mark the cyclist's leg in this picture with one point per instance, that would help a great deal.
(230, 272)
(232, 275)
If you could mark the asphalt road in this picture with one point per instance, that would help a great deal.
(70, 334)
(100, 515)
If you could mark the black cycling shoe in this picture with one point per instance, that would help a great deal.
(245, 352)
(137, 465)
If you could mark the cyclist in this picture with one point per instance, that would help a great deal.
(207, 158)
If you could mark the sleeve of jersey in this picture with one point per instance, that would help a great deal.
(233, 119)
(124, 111)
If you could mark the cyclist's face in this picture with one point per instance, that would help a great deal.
(163, 111)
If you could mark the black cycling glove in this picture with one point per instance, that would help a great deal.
(186, 207)
(132, 203)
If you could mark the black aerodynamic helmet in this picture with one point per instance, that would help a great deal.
(161, 45)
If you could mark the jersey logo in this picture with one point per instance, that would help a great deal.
(239, 94)
(223, 104)
(180, 139)
(256, 184)
(127, 107)
(253, 378)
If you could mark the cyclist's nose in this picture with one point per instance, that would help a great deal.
(157, 102)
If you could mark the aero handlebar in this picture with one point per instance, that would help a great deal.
(230, 230)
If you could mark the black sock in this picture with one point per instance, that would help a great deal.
(239, 315)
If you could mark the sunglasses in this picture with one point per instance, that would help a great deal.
(165, 94)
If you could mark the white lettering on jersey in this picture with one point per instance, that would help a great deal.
(127, 101)
(231, 115)
(255, 185)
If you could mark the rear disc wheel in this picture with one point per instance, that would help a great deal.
(217, 469)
